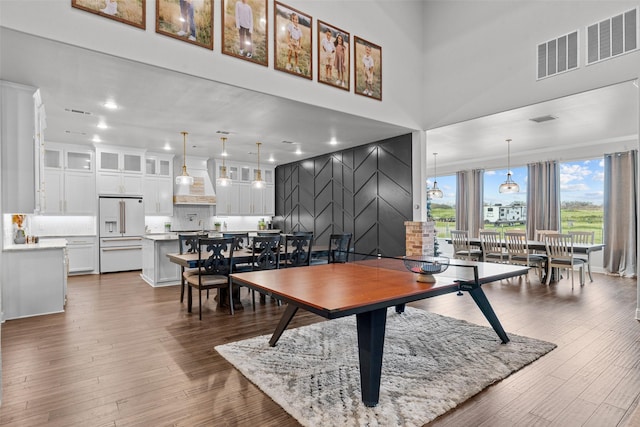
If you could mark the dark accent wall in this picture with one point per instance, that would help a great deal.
(365, 190)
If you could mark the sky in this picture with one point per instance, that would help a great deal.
(579, 181)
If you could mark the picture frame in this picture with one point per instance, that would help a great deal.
(292, 41)
(328, 61)
(131, 12)
(253, 34)
(367, 85)
(191, 22)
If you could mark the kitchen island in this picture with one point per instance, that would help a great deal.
(34, 278)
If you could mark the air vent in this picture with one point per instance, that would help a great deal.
(223, 132)
(612, 37)
(288, 142)
(71, 110)
(543, 119)
(74, 133)
(558, 55)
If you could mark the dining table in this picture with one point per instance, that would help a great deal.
(366, 289)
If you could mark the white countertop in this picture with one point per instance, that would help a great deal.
(43, 244)
(174, 235)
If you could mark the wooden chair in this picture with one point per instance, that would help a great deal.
(519, 254)
(539, 234)
(216, 261)
(265, 255)
(297, 251)
(560, 255)
(462, 248)
(492, 249)
(187, 243)
(585, 238)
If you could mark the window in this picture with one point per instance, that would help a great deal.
(582, 196)
(504, 211)
(443, 211)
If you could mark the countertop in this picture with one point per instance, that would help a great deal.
(174, 235)
(43, 244)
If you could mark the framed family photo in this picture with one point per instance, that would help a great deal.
(333, 56)
(244, 30)
(130, 12)
(368, 72)
(187, 20)
(292, 41)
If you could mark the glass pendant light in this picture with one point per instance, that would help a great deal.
(185, 178)
(223, 180)
(435, 192)
(257, 181)
(509, 186)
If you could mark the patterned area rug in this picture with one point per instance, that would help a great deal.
(431, 364)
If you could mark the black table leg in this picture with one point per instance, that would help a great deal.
(483, 303)
(371, 329)
(288, 314)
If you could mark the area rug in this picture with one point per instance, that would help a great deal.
(431, 364)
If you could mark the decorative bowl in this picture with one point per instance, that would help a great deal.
(426, 266)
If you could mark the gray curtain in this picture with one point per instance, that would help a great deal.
(620, 212)
(543, 197)
(469, 196)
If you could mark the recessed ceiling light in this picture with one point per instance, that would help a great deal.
(271, 159)
(96, 138)
(333, 141)
(102, 125)
(111, 105)
(167, 147)
(298, 151)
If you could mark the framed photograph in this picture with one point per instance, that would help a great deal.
(244, 30)
(368, 73)
(130, 12)
(292, 41)
(187, 20)
(333, 56)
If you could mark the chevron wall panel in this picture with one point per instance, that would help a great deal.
(365, 190)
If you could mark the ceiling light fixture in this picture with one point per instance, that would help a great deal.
(111, 105)
(509, 186)
(223, 180)
(102, 125)
(435, 192)
(185, 178)
(96, 138)
(258, 182)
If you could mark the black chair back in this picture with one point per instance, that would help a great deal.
(265, 252)
(339, 247)
(242, 240)
(188, 243)
(297, 250)
(216, 255)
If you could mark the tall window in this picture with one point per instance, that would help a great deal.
(443, 211)
(505, 211)
(582, 196)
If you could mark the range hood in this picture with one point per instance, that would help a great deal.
(201, 192)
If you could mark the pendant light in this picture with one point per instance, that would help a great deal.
(257, 181)
(185, 178)
(223, 180)
(435, 192)
(509, 186)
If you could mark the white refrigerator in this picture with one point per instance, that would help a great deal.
(121, 230)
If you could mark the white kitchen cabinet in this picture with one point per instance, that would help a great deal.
(83, 254)
(69, 181)
(240, 198)
(158, 196)
(157, 270)
(119, 171)
(227, 199)
(158, 165)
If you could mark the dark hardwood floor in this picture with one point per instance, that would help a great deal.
(127, 354)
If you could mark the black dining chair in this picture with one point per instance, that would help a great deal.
(297, 250)
(241, 242)
(187, 243)
(216, 261)
(265, 255)
(339, 247)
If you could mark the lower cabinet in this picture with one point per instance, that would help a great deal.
(83, 255)
(157, 270)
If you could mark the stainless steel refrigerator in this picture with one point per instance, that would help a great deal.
(121, 230)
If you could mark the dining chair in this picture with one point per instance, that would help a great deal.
(560, 255)
(462, 248)
(297, 250)
(265, 255)
(215, 260)
(339, 247)
(584, 238)
(518, 252)
(539, 234)
(492, 248)
(187, 243)
(241, 240)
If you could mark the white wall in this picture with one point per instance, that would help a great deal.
(396, 26)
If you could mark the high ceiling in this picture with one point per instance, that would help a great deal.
(156, 104)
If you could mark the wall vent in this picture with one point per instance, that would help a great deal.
(558, 55)
(543, 119)
(612, 37)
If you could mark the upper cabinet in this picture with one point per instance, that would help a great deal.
(239, 197)
(158, 184)
(21, 131)
(120, 171)
(69, 184)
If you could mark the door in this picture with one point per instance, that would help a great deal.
(133, 217)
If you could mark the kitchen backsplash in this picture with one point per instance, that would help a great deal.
(194, 217)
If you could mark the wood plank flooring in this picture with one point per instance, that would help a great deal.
(127, 354)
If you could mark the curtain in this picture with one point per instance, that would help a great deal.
(469, 196)
(543, 197)
(620, 212)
